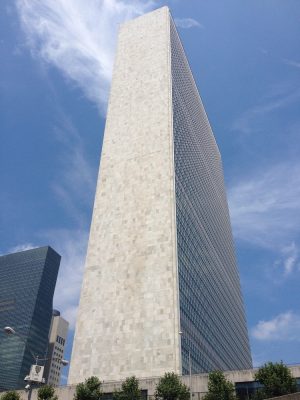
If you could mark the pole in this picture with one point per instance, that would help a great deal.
(190, 363)
(190, 372)
(29, 392)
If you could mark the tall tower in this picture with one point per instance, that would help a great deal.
(27, 283)
(160, 257)
(56, 347)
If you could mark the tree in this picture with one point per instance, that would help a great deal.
(47, 392)
(11, 395)
(89, 390)
(219, 388)
(170, 387)
(129, 390)
(276, 379)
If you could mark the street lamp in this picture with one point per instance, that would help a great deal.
(36, 371)
(190, 363)
(9, 331)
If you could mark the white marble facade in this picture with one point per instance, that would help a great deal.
(128, 318)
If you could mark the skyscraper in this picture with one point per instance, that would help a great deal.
(57, 340)
(27, 283)
(160, 257)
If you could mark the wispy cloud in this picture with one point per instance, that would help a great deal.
(286, 265)
(77, 38)
(76, 183)
(290, 257)
(285, 326)
(71, 245)
(250, 120)
(21, 247)
(187, 23)
(263, 51)
(292, 63)
(265, 208)
(17, 248)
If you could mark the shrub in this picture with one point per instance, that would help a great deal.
(11, 395)
(88, 390)
(276, 379)
(219, 388)
(46, 392)
(129, 391)
(170, 387)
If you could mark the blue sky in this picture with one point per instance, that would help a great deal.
(55, 71)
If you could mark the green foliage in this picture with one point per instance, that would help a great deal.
(89, 390)
(11, 395)
(276, 379)
(170, 387)
(219, 388)
(129, 391)
(47, 392)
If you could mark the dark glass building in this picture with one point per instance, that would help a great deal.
(27, 283)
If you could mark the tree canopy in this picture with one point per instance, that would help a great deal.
(170, 387)
(10, 395)
(219, 388)
(88, 390)
(276, 379)
(47, 392)
(129, 391)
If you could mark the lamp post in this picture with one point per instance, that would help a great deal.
(36, 371)
(190, 363)
(10, 331)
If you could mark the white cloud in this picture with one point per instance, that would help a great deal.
(77, 178)
(286, 263)
(78, 37)
(187, 23)
(71, 245)
(250, 121)
(292, 63)
(291, 254)
(265, 208)
(21, 247)
(263, 51)
(285, 326)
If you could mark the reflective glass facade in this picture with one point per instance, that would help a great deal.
(27, 283)
(212, 316)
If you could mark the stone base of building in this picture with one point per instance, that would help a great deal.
(243, 379)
